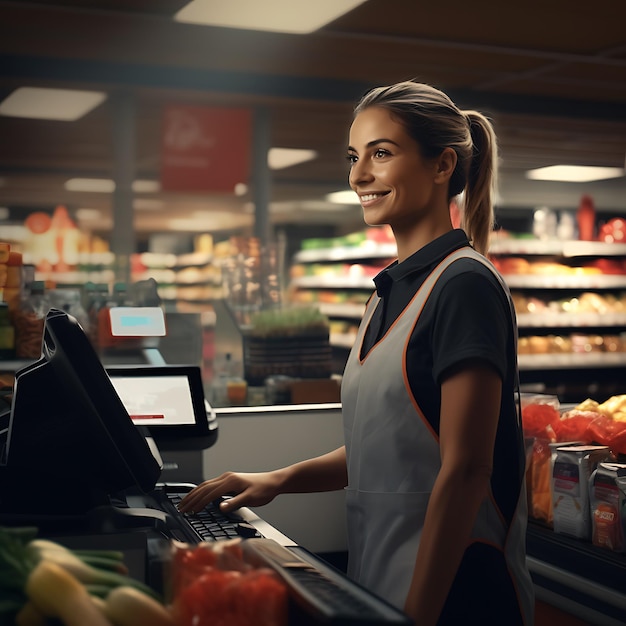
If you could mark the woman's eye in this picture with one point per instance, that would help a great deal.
(351, 158)
(381, 153)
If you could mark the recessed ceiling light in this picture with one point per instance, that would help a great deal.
(574, 173)
(65, 105)
(343, 197)
(146, 186)
(284, 16)
(148, 204)
(280, 158)
(106, 185)
(95, 185)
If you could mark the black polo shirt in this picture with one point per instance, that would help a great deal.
(467, 317)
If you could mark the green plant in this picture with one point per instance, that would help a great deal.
(288, 321)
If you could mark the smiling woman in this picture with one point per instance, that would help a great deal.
(433, 462)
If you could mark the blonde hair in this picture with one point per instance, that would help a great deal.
(435, 123)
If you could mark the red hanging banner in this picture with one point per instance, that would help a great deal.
(205, 148)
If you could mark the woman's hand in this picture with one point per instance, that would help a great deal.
(247, 489)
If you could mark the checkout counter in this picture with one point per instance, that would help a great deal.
(575, 577)
(87, 470)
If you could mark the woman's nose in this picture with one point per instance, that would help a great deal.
(359, 172)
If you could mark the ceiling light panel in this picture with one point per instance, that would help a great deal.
(281, 158)
(106, 185)
(284, 16)
(66, 105)
(574, 173)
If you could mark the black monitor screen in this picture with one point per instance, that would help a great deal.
(70, 437)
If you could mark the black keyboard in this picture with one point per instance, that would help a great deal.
(210, 524)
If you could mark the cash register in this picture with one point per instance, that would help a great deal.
(76, 461)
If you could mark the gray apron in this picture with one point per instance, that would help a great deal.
(388, 492)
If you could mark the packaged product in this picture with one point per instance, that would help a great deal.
(216, 583)
(539, 414)
(607, 506)
(573, 466)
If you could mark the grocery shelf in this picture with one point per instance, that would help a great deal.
(342, 309)
(334, 282)
(585, 360)
(369, 250)
(565, 281)
(573, 320)
(555, 247)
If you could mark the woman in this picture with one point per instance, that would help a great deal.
(433, 459)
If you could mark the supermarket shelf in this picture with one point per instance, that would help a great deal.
(556, 247)
(564, 320)
(587, 360)
(334, 282)
(565, 281)
(342, 309)
(370, 250)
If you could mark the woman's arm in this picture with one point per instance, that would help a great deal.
(470, 407)
(323, 473)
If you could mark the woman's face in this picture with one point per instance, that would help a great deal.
(395, 184)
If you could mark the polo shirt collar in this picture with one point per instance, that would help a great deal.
(425, 257)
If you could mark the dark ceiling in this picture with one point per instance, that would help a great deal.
(551, 75)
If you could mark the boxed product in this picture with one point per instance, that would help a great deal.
(608, 506)
(573, 466)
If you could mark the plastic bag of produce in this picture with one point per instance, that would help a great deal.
(211, 584)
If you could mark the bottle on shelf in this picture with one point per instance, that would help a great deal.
(586, 218)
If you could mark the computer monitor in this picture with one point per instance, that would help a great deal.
(71, 444)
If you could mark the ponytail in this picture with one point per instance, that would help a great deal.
(478, 213)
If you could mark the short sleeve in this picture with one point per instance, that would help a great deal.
(472, 321)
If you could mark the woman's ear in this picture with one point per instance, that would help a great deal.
(446, 163)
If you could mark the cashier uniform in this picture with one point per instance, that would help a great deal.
(390, 402)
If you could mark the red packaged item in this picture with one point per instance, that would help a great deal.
(539, 420)
(212, 585)
(574, 425)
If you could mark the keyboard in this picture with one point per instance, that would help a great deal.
(210, 524)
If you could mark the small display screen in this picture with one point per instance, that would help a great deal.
(128, 321)
(168, 401)
(156, 400)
